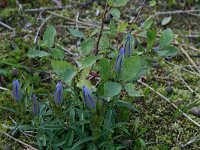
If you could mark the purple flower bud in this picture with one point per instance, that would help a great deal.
(36, 106)
(119, 60)
(87, 98)
(58, 94)
(16, 90)
(128, 45)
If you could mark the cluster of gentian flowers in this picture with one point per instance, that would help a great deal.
(58, 96)
(124, 51)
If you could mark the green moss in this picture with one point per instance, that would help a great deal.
(5, 13)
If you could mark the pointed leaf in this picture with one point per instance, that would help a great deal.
(76, 32)
(166, 38)
(49, 36)
(131, 68)
(36, 53)
(130, 88)
(111, 89)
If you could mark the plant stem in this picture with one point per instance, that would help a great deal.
(101, 31)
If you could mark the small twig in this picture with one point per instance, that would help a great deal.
(19, 6)
(194, 73)
(2, 88)
(39, 29)
(175, 12)
(167, 100)
(192, 140)
(46, 9)
(17, 140)
(189, 58)
(139, 12)
(70, 19)
(6, 26)
(77, 20)
(190, 36)
(196, 15)
(188, 87)
(66, 50)
(101, 30)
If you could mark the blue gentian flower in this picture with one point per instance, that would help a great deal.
(58, 94)
(16, 90)
(87, 98)
(119, 60)
(36, 106)
(128, 45)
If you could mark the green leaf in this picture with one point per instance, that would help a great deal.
(168, 51)
(87, 45)
(166, 20)
(110, 3)
(82, 141)
(70, 138)
(76, 32)
(126, 104)
(4, 72)
(119, 3)
(49, 36)
(104, 69)
(69, 75)
(91, 146)
(152, 3)
(111, 89)
(8, 109)
(87, 61)
(57, 53)
(151, 37)
(60, 67)
(113, 28)
(104, 42)
(130, 68)
(122, 26)
(115, 13)
(82, 79)
(36, 53)
(147, 24)
(109, 119)
(64, 69)
(130, 88)
(166, 38)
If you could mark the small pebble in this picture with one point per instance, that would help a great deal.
(168, 58)
(170, 83)
(195, 111)
(169, 90)
(156, 65)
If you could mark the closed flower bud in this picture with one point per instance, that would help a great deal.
(119, 60)
(58, 94)
(16, 90)
(128, 45)
(87, 98)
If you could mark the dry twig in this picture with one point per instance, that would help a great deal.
(6, 26)
(101, 30)
(176, 12)
(189, 58)
(19, 141)
(46, 9)
(39, 29)
(167, 100)
(5, 89)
